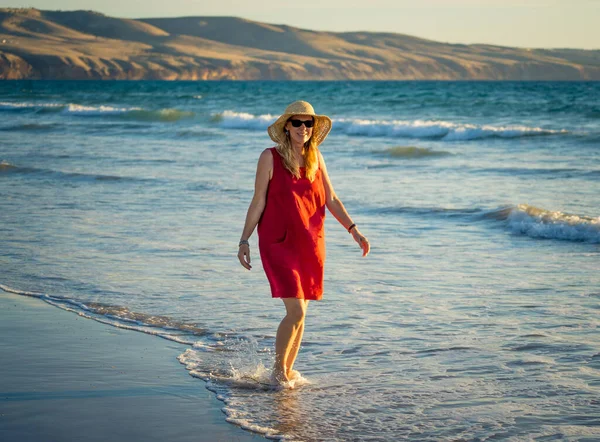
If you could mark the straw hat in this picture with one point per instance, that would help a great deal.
(320, 129)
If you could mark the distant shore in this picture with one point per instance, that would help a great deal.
(86, 45)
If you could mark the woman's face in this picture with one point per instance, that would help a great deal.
(299, 135)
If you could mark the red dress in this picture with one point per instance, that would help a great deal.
(291, 234)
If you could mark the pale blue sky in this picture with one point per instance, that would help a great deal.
(523, 23)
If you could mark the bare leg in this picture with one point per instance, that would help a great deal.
(286, 333)
(289, 362)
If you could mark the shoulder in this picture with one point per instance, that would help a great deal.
(266, 158)
(267, 153)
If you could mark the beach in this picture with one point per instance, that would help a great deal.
(474, 317)
(65, 377)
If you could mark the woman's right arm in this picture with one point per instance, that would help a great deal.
(264, 172)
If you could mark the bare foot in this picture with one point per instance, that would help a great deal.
(293, 374)
(278, 375)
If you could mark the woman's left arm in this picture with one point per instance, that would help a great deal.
(337, 209)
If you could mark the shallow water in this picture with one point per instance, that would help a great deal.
(474, 317)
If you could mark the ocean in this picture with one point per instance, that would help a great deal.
(475, 316)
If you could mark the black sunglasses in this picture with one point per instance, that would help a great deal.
(298, 123)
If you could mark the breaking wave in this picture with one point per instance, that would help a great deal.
(444, 130)
(540, 223)
(521, 219)
(242, 120)
(78, 110)
(28, 107)
(421, 129)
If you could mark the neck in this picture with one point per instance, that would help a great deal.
(298, 151)
(298, 147)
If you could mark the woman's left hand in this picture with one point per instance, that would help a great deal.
(361, 240)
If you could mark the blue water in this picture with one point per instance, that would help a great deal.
(475, 317)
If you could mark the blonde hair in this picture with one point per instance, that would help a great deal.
(310, 154)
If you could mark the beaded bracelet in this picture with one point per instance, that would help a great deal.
(351, 227)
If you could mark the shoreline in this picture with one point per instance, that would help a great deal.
(64, 377)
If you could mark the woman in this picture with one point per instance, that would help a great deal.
(291, 191)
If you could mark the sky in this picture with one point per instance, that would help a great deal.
(520, 23)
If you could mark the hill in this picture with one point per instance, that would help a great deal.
(38, 44)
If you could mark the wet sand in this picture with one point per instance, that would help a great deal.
(64, 377)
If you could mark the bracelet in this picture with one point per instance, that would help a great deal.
(351, 227)
(243, 242)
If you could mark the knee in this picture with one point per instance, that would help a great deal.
(297, 316)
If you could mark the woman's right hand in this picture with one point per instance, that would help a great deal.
(244, 256)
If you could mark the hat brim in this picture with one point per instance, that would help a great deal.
(321, 128)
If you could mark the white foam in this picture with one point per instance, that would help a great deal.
(8, 105)
(241, 120)
(83, 310)
(20, 292)
(393, 129)
(98, 110)
(246, 424)
(444, 130)
(242, 419)
(116, 323)
(541, 223)
(71, 108)
(243, 372)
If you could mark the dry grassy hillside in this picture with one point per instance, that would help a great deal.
(87, 45)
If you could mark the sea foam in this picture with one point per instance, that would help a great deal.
(242, 120)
